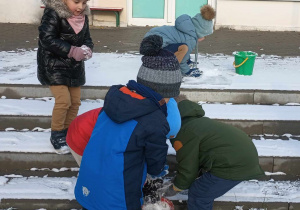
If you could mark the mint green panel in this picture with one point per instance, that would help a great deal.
(190, 7)
(148, 9)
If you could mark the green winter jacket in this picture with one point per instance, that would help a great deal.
(203, 143)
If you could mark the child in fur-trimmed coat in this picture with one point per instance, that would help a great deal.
(64, 44)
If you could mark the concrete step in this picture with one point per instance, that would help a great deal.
(236, 96)
(253, 119)
(31, 154)
(57, 193)
(61, 204)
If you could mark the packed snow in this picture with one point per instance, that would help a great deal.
(106, 69)
(38, 142)
(27, 107)
(103, 69)
(63, 188)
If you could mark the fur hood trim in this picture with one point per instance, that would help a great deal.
(61, 8)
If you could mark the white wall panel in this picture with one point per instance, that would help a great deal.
(258, 15)
(20, 11)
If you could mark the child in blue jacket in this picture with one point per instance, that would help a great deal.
(182, 38)
(129, 137)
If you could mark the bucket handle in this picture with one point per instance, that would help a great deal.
(236, 66)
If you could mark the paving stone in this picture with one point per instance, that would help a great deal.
(288, 165)
(16, 91)
(222, 96)
(281, 127)
(275, 97)
(276, 206)
(218, 205)
(22, 164)
(127, 39)
(24, 204)
(250, 127)
(21, 122)
(294, 206)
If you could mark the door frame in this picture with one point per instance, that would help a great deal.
(169, 16)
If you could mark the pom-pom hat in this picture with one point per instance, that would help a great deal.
(203, 21)
(160, 70)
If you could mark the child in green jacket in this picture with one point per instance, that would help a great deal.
(225, 155)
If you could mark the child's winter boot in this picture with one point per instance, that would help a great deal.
(58, 140)
(195, 72)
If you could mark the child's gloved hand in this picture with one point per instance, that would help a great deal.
(88, 51)
(162, 174)
(77, 53)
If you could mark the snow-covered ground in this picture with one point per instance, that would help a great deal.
(270, 73)
(106, 69)
(63, 188)
(38, 142)
(44, 107)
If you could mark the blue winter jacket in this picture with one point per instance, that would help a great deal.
(128, 140)
(183, 32)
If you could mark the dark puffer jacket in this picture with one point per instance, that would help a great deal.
(56, 36)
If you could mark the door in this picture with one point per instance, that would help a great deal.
(190, 7)
(151, 12)
(160, 12)
(148, 9)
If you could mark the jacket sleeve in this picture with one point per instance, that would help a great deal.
(49, 34)
(188, 165)
(87, 36)
(156, 150)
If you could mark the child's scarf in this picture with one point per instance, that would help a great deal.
(77, 22)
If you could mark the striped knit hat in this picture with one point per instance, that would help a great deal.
(160, 69)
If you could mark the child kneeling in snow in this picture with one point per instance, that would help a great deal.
(128, 138)
(224, 154)
(183, 38)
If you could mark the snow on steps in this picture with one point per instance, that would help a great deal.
(237, 96)
(17, 191)
(253, 119)
(30, 153)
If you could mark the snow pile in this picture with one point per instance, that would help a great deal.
(156, 206)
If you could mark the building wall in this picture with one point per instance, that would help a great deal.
(29, 11)
(258, 15)
(20, 11)
(103, 18)
(233, 14)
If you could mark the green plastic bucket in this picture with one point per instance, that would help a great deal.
(244, 62)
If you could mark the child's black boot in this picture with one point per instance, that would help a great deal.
(58, 140)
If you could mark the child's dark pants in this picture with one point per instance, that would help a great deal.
(179, 50)
(205, 189)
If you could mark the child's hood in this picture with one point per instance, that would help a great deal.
(184, 24)
(62, 9)
(121, 107)
(203, 27)
(190, 109)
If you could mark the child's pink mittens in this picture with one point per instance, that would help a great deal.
(77, 53)
(88, 51)
(80, 53)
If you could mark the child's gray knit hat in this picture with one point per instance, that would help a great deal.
(160, 69)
